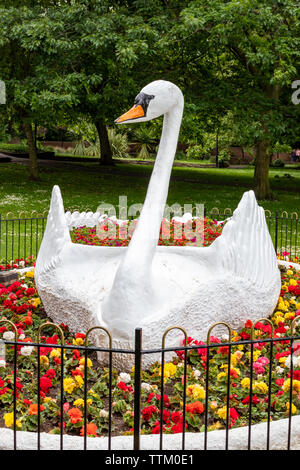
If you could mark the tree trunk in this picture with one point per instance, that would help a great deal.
(261, 175)
(105, 150)
(33, 160)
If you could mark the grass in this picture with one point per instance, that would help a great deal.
(86, 185)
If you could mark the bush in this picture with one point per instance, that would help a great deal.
(180, 155)
(20, 148)
(278, 163)
(194, 152)
(224, 158)
(118, 143)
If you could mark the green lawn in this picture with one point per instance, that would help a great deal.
(86, 185)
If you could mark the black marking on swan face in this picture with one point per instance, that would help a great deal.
(143, 100)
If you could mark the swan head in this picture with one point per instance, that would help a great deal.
(154, 100)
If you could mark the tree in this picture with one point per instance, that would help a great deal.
(24, 68)
(101, 51)
(249, 50)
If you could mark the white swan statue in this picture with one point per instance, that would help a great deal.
(154, 287)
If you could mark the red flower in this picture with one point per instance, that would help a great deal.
(30, 291)
(50, 373)
(166, 400)
(148, 411)
(176, 416)
(122, 386)
(75, 415)
(156, 429)
(91, 430)
(166, 416)
(45, 384)
(28, 321)
(77, 371)
(150, 396)
(195, 408)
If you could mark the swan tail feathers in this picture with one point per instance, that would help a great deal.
(56, 234)
(245, 247)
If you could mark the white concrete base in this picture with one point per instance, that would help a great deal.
(238, 439)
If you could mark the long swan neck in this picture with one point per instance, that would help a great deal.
(146, 234)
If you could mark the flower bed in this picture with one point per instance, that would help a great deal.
(111, 233)
(20, 303)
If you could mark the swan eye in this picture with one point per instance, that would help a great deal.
(143, 100)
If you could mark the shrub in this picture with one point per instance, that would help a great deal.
(278, 163)
(194, 152)
(180, 155)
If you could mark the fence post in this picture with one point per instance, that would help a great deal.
(276, 231)
(137, 388)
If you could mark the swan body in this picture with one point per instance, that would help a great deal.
(150, 286)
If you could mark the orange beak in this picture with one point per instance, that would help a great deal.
(134, 113)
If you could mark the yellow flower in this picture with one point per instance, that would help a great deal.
(35, 302)
(260, 387)
(222, 412)
(78, 342)
(88, 362)
(44, 360)
(282, 306)
(293, 282)
(289, 272)
(298, 306)
(9, 419)
(245, 383)
(94, 394)
(294, 409)
(295, 385)
(69, 385)
(169, 370)
(30, 274)
(55, 353)
(78, 380)
(214, 426)
(279, 320)
(221, 375)
(289, 316)
(80, 402)
(256, 354)
(47, 399)
(196, 391)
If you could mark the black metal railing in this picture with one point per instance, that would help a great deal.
(207, 350)
(20, 238)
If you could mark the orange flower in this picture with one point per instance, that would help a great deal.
(33, 409)
(75, 415)
(195, 408)
(91, 430)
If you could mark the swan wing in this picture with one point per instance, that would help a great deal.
(56, 235)
(245, 248)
